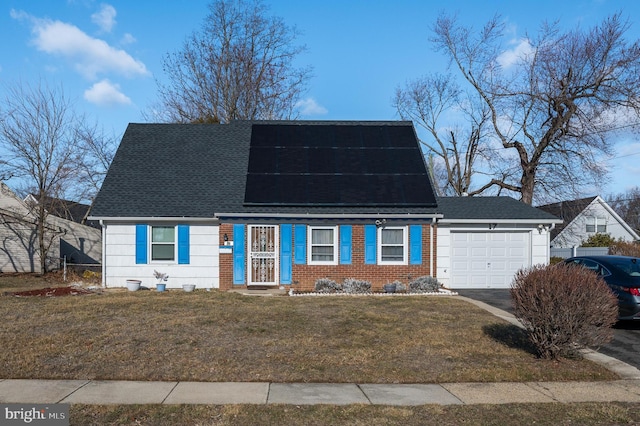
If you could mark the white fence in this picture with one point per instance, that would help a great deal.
(578, 251)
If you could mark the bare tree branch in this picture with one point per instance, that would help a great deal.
(556, 105)
(239, 66)
(43, 144)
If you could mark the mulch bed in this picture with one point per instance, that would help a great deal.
(53, 292)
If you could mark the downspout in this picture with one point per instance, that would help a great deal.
(104, 253)
(433, 221)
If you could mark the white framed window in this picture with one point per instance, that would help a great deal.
(163, 243)
(393, 245)
(596, 225)
(323, 245)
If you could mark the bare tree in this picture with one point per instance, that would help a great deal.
(627, 205)
(239, 66)
(39, 138)
(454, 147)
(554, 108)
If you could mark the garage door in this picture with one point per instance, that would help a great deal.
(487, 259)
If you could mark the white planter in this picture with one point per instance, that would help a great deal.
(133, 285)
(188, 287)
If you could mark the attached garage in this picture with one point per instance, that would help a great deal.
(483, 241)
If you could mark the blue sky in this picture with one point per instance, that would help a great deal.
(108, 54)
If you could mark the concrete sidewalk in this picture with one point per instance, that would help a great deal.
(133, 392)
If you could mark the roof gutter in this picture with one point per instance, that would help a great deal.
(471, 221)
(330, 215)
(153, 218)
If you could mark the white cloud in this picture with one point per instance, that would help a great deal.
(105, 18)
(309, 106)
(91, 56)
(105, 93)
(128, 39)
(522, 50)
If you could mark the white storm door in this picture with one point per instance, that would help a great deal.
(263, 255)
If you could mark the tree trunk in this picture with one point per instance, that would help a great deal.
(527, 185)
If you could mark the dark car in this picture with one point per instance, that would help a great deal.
(622, 274)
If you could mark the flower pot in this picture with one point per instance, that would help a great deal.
(161, 287)
(389, 288)
(133, 285)
(188, 287)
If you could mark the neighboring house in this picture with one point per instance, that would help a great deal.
(70, 210)
(586, 217)
(19, 242)
(484, 241)
(253, 204)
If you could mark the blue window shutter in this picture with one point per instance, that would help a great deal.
(370, 244)
(345, 244)
(238, 254)
(285, 254)
(183, 244)
(415, 244)
(141, 244)
(300, 245)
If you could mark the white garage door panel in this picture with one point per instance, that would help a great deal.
(487, 259)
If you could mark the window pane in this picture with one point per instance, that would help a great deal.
(392, 236)
(591, 228)
(602, 228)
(392, 253)
(322, 253)
(322, 236)
(162, 252)
(163, 234)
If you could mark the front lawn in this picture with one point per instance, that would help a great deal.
(217, 336)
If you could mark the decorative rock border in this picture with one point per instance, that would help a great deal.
(292, 293)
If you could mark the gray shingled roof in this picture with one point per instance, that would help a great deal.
(490, 208)
(199, 170)
(175, 170)
(566, 210)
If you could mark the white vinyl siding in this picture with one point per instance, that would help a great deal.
(119, 258)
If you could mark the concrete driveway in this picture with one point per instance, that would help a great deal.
(625, 345)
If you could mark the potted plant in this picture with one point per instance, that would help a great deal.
(161, 277)
(133, 285)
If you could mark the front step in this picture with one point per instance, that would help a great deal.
(267, 291)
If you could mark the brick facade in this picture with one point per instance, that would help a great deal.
(305, 276)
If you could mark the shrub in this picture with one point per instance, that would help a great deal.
(625, 248)
(599, 240)
(352, 285)
(424, 283)
(563, 308)
(399, 286)
(326, 285)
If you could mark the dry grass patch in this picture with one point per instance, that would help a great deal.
(24, 282)
(487, 415)
(212, 336)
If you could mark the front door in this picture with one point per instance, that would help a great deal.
(263, 254)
